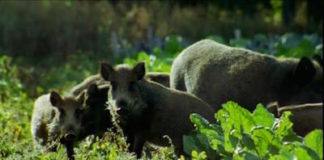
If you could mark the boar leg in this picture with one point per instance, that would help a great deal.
(69, 150)
(138, 145)
(131, 141)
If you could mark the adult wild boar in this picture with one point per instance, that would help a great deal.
(305, 117)
(159, 77)
(148, 109)
(56, 118)
(217, 73)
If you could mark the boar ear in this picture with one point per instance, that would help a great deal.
(92, 90)
(305, 71)
(55, 99)
(106, 71)
(139, 70)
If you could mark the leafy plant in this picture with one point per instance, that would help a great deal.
(239, 134)
(152, 62)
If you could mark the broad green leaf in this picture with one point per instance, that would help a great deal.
(238, 117)
(314, 140)
(265, 141)
(199, 121)
(212, 132)
(198, 142)
(302, 153)
(284, 126)
(189, 144)
(245, 155)
(248, 142)
(262, 117)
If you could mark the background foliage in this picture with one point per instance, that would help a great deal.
(43, 28)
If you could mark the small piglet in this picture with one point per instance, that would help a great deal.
(56, 118)
(96, 117)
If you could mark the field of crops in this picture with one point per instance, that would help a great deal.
(238, 134)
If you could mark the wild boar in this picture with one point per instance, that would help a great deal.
(150, 110)
(159, 77)
(56, 118)
(96, 117)
(162, 78)
(217, 73)
(305, 117)
(93, 79)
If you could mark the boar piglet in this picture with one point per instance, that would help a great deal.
(148, 110)
(56, 118)
(96, 118)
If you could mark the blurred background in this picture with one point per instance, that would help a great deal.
(64, 40)
(42, 28)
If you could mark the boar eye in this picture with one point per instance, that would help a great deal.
(113, 85)
(131, 87)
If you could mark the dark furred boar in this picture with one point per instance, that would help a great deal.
(96, 118)
(159, 77)
(148, 109)
(56, 118)
(305, 117)
(162, 78)
(217, 73)
(94, 79)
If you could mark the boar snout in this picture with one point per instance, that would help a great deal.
(122, 107)
(70, 136)
(122, 103)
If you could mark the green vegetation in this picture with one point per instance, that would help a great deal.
(63, 27)
(239, 134)
(236, 135)
(15, 115)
